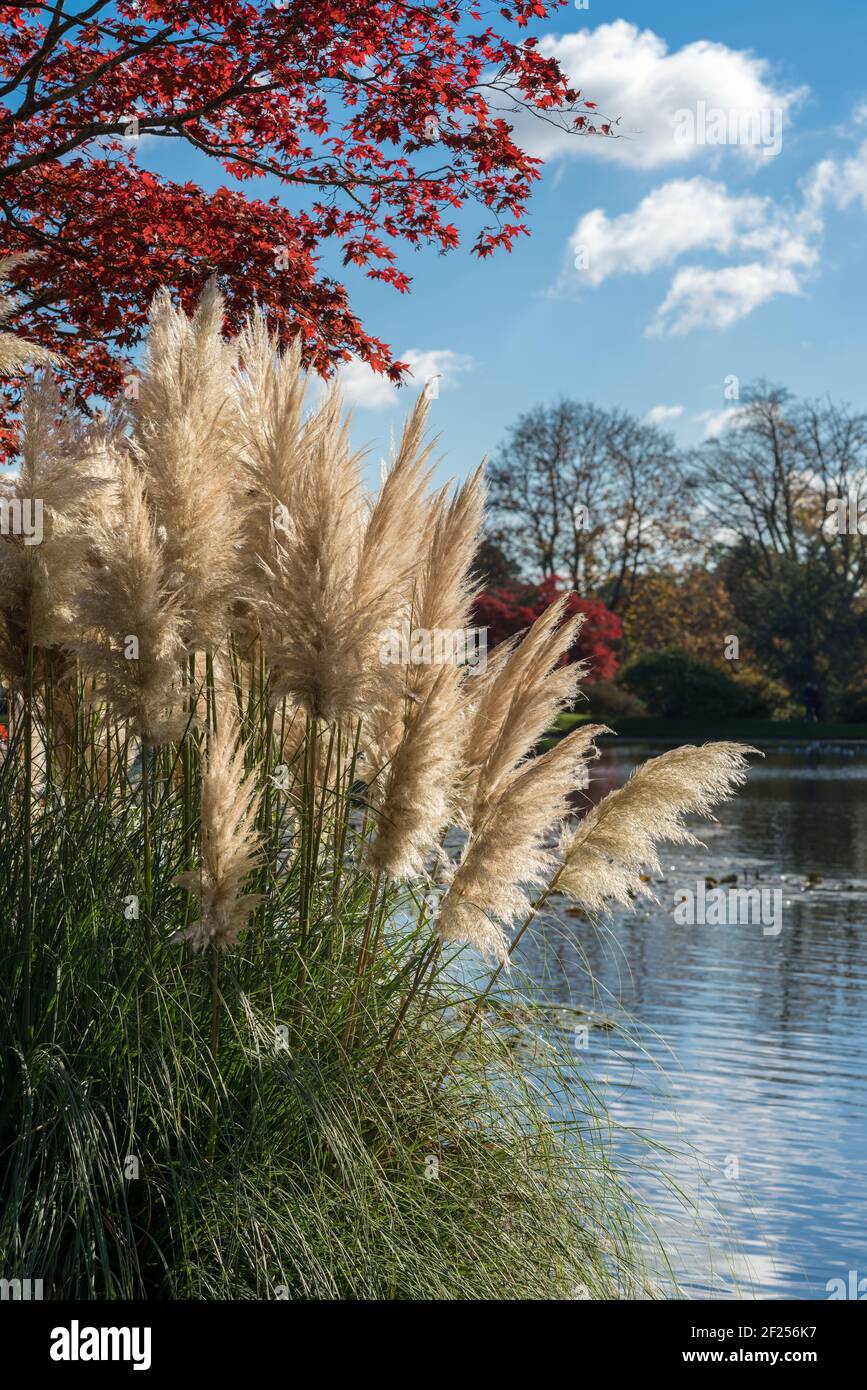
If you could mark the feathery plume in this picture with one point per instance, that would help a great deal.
(440, 599)
(415, 803)
(183, 440)
(309, 617)
(132, 644)
(44, 539)
(15, 352)
(270, 388)
(389, 554)
(415, 796)
(507, 855)
(273, 438)
(444, 590)
(515, 702)
(229, 843)
(337, 579)
(603, 856)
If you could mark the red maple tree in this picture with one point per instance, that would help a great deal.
(379, 118)
(511, 608)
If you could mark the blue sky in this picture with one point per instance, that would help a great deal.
(700, 262)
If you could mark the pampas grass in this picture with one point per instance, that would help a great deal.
(184, 442)
(229, 843)
(515, 703)
(415, 806)
(270, 388)
(604, 855)
(444, 590)
(239, 962)
(310, 619)
(41, 575)
(507, 855)
(341, 574)
(415, 801)
(132, 623)
(273, 437)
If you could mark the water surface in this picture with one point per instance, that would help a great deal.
(747, 1052)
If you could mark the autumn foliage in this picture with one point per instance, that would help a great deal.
(371, 123)
(511, 608)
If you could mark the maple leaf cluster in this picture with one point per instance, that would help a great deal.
(378, 119)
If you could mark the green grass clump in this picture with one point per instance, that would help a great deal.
(275, 1122)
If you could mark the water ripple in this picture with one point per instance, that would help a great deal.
(746, 1053)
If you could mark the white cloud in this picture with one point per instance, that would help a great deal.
(779, 246)
(680, 216)
(687, 215)
(369, 390)
(704, 298)
(361, 386)
(658, 414)
(631, 74)
(715, 421)
(840, 182)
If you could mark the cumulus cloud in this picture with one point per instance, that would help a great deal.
(687, 215)
(361, 386)
(680, 216)
(778, 244)
(704, 298)
(658, 414)
(631, 74)
(369, 390)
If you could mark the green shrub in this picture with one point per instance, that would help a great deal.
(676, 685)
(768, 699)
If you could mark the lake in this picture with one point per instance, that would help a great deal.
(745, 1052)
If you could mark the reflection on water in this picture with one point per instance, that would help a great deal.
(747, 1053)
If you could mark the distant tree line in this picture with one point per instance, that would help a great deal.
(758, 535)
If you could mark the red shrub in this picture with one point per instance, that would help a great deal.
(510, 609)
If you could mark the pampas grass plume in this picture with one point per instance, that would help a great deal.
(508, 853)
(603, 856)
(184, 442)
(126, 597)
(229, 842)
(16, 352)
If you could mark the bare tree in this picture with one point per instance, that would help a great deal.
(784, 492)
(589, 494)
